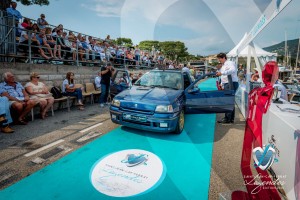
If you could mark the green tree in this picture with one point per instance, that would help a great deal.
(174, 50)
(6, 3)
(124, 42)
(148, 44)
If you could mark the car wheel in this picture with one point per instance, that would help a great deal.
(180, 123)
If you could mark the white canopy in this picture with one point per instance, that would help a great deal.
(244, 53)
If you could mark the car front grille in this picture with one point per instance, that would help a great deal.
(145, 112)
(138, 122)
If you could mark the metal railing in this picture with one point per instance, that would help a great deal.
(7, 36)
(12, 50)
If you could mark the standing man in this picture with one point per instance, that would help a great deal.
(106, 74)
(228, 68)
(12, 11)
(185, 68)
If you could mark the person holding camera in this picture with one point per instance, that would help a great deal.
(106, 74)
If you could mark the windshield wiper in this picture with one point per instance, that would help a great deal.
(163, 86)
(141, 85)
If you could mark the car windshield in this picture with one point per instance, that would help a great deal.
(163, 79)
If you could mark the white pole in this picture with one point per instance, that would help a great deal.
(285, 50)
(297, 56)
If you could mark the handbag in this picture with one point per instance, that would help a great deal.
(44, 95)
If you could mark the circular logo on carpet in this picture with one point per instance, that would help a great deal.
(127, 173)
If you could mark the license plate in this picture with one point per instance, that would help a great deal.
(134, 117)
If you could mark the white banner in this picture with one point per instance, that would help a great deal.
(274, 8)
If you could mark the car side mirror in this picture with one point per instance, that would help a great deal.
(194, 90)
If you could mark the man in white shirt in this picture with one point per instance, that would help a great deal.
(228, 68)
(185, 69)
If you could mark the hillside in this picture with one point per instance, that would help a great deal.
(279, 48)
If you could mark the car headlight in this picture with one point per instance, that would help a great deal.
(164, 108)
(116, 102)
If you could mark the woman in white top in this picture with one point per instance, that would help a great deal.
(37, 90)
(69, 89)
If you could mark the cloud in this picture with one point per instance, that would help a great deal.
(207, 45)
(105, 8)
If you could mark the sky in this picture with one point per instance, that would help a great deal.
(205, 26)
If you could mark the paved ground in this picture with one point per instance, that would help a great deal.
(226, 175)
(42, 142)
(57, 136)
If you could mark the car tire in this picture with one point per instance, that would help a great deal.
(180, 123)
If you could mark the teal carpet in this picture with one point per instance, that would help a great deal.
(186, 157)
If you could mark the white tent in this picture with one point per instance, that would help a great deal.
(260, 53)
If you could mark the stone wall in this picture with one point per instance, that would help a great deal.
(51, 74)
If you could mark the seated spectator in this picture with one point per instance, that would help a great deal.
(69, 44)
(41, 38)
(160, 59)
(68, 89)
(59, 27)
(18, 97)
(72, 37)
(81, 50)
(39, 92)
(35, 44)
(171, 66)
(41, 22)
(61, 42)
(97, 81)
(129, 58)
(99, 49)
(25, 23)
(146, 60)
(52, 43)
(137, 54)
(107, 40)
(88, 49)
(35, 30)
(5, 118)
(124, 80)
(120, 55)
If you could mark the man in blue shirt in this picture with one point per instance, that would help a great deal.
(12, 11)
(17, 96)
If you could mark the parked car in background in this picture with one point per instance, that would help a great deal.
(160, 98)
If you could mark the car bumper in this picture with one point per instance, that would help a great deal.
(163, 123)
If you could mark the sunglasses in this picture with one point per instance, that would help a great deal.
(37, 77)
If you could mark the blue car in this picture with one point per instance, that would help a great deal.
(160, 98)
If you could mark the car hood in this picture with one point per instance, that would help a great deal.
(146, 98)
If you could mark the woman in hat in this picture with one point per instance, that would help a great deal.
(38, 91)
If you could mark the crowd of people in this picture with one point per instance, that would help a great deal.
(55, 43)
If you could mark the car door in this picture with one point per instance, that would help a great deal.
(116, 87)
(209, 100)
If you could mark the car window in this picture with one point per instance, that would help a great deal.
(118, 76)
(162, 79)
